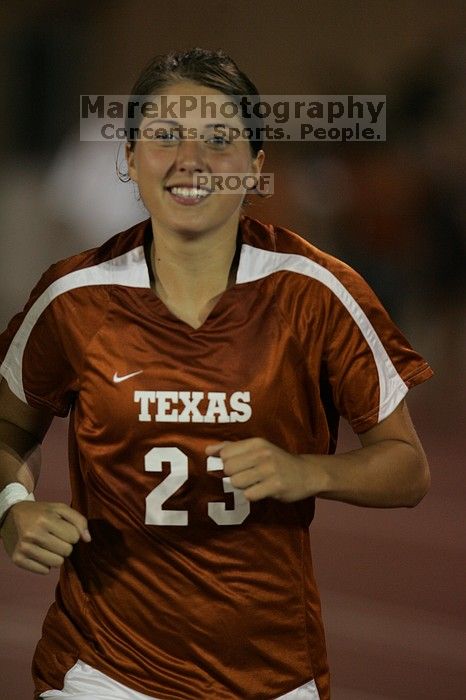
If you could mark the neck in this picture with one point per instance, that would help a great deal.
(193, 269)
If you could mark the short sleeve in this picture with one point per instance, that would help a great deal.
(33, 358)
(370, 366)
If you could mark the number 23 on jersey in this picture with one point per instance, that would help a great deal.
(178, 475)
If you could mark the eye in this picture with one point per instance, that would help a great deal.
(217, 141)
(218, 138)
(165, 136)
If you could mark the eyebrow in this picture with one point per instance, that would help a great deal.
(164, 121)
(171, 122)
(208, 126)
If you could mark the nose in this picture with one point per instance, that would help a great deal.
(190, 156)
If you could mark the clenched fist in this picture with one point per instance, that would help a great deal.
(38, 536)
(263, 470)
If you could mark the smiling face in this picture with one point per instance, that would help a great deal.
(166, 162)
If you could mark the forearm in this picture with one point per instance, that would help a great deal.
(388, 474)
(19, 456)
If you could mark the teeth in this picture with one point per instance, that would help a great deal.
(191, 192)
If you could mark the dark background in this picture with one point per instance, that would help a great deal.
(392, 582)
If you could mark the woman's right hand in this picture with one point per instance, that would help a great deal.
(38, 536)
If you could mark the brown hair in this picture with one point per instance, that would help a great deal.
(213, 69)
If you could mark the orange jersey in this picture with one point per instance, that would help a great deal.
(187, 590)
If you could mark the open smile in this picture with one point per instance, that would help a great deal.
(188, 195)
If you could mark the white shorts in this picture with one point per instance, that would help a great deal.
(86, 683)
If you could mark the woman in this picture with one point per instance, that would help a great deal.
(205, 358)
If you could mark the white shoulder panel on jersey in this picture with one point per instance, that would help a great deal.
(256, 263)
(128, 270)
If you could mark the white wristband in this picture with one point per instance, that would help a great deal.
(11, 494)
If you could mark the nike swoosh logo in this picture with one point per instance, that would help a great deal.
(118, 379)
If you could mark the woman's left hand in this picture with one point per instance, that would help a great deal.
(389, 470)
(263, 470)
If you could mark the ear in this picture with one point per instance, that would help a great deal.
(256, 169)
(258, 162)
(130, 154)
